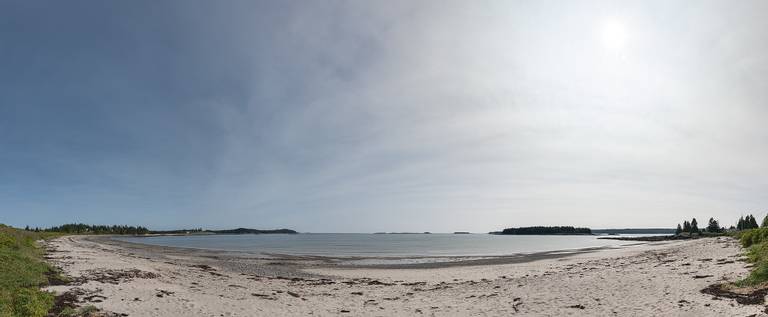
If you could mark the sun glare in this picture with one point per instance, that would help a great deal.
(613, 34)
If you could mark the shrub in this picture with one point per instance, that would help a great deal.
(753, 236)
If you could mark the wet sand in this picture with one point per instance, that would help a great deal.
(660, 278)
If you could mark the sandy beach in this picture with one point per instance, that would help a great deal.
(646, 279)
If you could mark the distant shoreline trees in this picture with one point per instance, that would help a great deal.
(253, 231)
(80, 228)
(542, 230)
(692, 227)
(686, 226)
(714, 226)
(747, 222)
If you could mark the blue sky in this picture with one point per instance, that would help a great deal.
(349, 116)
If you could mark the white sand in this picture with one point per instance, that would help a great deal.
(645, 280)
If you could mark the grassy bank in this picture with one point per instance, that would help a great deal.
(756, 242)
(22, 272)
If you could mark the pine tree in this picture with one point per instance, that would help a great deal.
(679, 230)
(752, 222)
(686, 226)
(694, 226)
(765, 222)
(740, 224)
(713, 226)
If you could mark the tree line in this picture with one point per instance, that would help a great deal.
(95, 229)
(744, 223)
(547, 230)
(692, 227)
(749, 222)
(79, 228)
(179, 231)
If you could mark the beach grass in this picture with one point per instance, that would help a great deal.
(23, 272)
(756, 242)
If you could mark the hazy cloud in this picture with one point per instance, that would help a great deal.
(374, 116)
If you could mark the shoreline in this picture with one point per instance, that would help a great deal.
(382, 261)
(643, 279)
(347, 261)
(651, 238)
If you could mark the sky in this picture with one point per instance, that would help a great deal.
(365, 116)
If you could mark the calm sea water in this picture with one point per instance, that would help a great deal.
(381, 245)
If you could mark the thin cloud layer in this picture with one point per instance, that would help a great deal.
(347, 116)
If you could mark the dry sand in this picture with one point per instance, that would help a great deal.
(655, 279)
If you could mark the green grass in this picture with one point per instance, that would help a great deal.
(753, 236)
(22, 273)
(756, 242)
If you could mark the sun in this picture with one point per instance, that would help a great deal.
(613, 34)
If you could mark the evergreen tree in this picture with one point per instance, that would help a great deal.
(27, 227)
(98, 229)
(765, 222)
(694, 226)
(679, 230)
(686, 226)
(740, 224)
(713, 226)
(752, 222)
(547, 230)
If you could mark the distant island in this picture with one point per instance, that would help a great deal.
(542, 230)
(79, 228)
(253, 231)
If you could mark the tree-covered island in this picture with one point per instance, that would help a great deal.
(545, 230)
